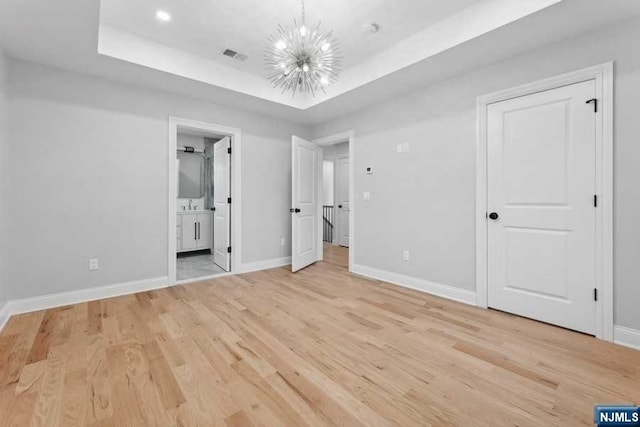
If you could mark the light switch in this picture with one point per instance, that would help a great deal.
(399, 148)
(405, 147)
(366, 195)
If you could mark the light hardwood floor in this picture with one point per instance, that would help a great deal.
(319, 347)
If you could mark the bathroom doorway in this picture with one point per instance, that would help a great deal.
(204, 211)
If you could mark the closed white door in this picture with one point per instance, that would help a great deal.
(343, 201)
(222, 203)
(304, 213)
(541, 183)
(205, 231)
(189, 230)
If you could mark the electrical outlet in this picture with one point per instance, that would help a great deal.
(283, 242)
(405, 147)
(366, 195)
(94, 264)
(405, 255)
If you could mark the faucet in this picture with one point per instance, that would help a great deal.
(190, 204)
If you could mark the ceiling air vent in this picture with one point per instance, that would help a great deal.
(230, 53)
(235, 55)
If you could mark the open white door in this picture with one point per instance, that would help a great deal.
(304, 213)
(343, 201)
(222, 203)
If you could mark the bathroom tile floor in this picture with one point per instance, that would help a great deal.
(191, 265)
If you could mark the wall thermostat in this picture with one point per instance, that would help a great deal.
(369, 170)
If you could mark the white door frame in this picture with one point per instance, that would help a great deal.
(325, 142)
(236, 200)
(603, 76)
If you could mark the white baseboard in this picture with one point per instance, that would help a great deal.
(4, 314)
(264, 265)
(626, 336)
(438, 289)
(44, 302)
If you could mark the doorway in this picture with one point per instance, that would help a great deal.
(335, 190)
(544, 201)
(322, 190)
(203, 221)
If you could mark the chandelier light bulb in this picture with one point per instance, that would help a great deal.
(303, 30)
(305, 68)
(281, 44)
(325, 46)
(324, 80)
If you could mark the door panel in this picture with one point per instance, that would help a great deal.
(343, 200)
(189, 229)
(304, 250)
(205, 234)
(541, 181)
(222, 212)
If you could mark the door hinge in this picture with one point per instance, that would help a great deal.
(595, 104)
(228, 249)
(229, 150)
(595, 294)
(595, 200)
(228, 199)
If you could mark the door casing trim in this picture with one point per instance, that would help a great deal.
(603, 76)
(348, 136)
(236, 189)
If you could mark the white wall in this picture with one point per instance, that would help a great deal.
(84, 139)
(4, 177)
(426, 197)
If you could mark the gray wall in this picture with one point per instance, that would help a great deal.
(4, 177)
(93, 156)
(425, 198)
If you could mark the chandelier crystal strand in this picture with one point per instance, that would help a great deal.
(299, 60)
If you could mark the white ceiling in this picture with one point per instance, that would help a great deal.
(411, 31)
(65, 34)
(206, 28)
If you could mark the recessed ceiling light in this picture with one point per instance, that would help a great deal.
(163, 16)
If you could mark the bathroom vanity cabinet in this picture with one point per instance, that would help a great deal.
(194, 230)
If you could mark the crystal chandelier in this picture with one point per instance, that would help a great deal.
(302, 60)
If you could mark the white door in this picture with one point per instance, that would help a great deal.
(541, 183)
(222, 203)
(343, 201)
(189, 231)
(304, 213)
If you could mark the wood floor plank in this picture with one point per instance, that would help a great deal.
(315, 348)
(40, 346)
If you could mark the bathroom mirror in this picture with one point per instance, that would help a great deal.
(191, 179)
